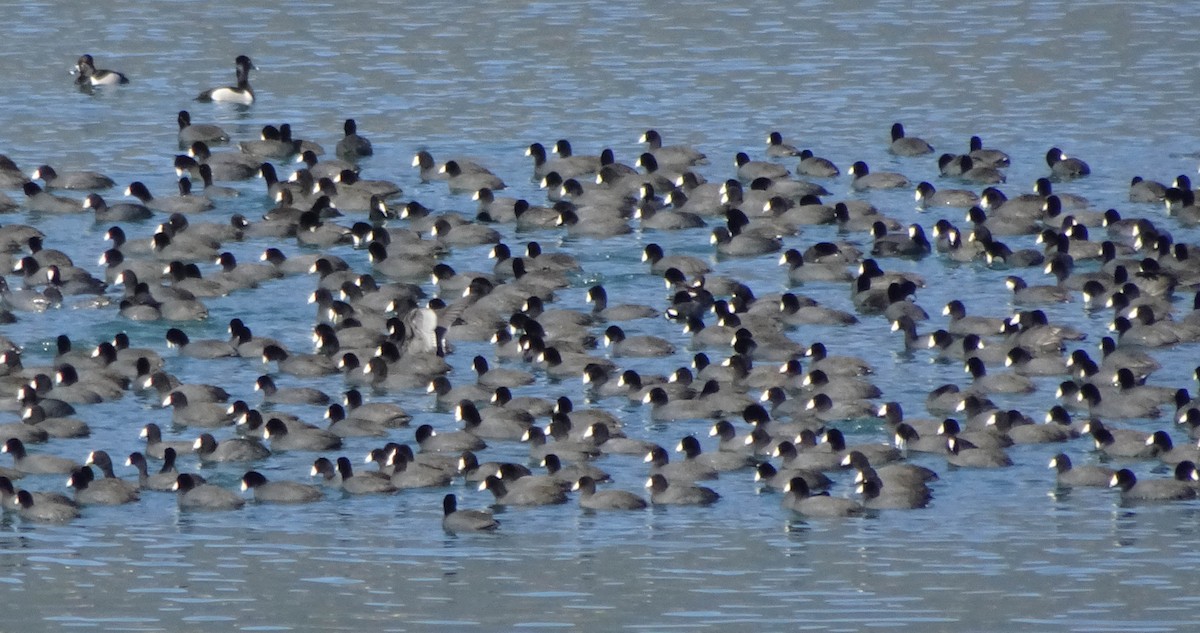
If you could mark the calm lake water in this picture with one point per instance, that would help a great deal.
(997, 550)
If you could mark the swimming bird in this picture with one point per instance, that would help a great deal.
(241, 93)
(455, 520)
(88, 75)
(907, 145)
(1063, 167)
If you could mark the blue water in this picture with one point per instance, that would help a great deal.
(997, 550)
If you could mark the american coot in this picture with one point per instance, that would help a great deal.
(102, 461)
(353, 145)
(929, 196)
(168, 204)
(245, 341)
(776, 148)
(34, 416)
(1150, 490)
(877, 453)
(588, 164)
(193, 495)
(1069, 475)
(500, 376)
(270, 145)
(893, 415)
(253, 423)
(10, 175)
(568, 474)
(664, 408)
(900, 473)
(341, 425)
(1186, 471)
(358, 483)
(598, 297)
(987, 156)
(191, 132)
(1021, 430)
(523, 495)
(437, 461)
(156, 447)
(8, 495)
(329, 169)
(721, 461)
(590, 499)
(230, 450)
(988, 437)
(907, 145)
(206, 349)
(819, 358)
(878, 494)
(802, 271)
(1024, 294)
(406, 474)
(566, 166)
(241, 93)
(1114, 406)
(816, 166)
(44, 202)
(640, 345)
(36, 464)
(518, 483)
(1141, 190)
(282, 438)
(985, 383)
(769, 476)
(493, 422)
(460, 180)
(243, 275)
(475, 472)
(448, 393)
(967, 170)
(455, 520)
(388, 414)
(431, 170)
(748, 170)
(303, 365)
(677, 156)
(864, 178)
(119, 212)
(738, 244)
(288, 395)
(563, 446)
(958, 454)
(199, 414)
(521, 406)
(662, 492)
(89, 180)
(89, 491)
(81, 388)
(163, 480)
(279, 491)
(1170, 454)
(730, 440)
(798, 498)
(495, 208)
(817, 381)
(454, 441)
(43, 510)
(1063, 167)
(802, 453)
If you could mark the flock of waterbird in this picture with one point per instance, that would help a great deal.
(772, 404)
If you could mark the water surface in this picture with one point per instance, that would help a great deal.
(996, 550)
